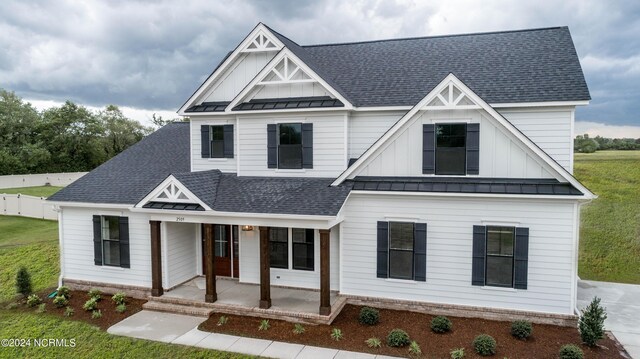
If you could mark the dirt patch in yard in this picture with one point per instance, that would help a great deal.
(544, 343)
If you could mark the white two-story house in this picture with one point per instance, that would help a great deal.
(431, 172)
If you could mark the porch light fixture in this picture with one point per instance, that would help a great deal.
(246, 228)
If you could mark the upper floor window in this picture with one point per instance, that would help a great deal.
(451, 149)
(290, 145)
(216, 141)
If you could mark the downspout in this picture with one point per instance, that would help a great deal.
(577, 252)
(61, 243)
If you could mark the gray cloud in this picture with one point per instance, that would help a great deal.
(152, 55)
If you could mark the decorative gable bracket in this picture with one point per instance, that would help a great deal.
(451, 97)
(172, 191)
(286, 72)
(262, 42)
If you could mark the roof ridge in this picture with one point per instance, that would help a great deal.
(434, 36)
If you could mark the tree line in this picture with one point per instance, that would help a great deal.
(586, 144)
(69, 138)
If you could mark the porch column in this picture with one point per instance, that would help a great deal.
(156, 260)
(211, 294)
(325, 283)
(265, 269)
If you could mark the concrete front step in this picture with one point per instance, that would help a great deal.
(176, 308)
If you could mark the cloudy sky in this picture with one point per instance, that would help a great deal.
(149, 56)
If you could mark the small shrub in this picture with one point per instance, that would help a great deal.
(23, 281)
(369, 316)
(95, 294)
(96, 314)
(121, 308)
(591, 323)
(33, 300)
(414, 348)
(398, 338)
(571, 351)
(12, 306)
(484, 345)
(60, 301)
(41, 308)
(222, 320)
(90, 304)
(521, 329)
(68, 311)
(440, 324)
(119, 298)
(298, 329)
(457, 353)
(336, 334)
(264, 325)
(373, 342)
(64, 291)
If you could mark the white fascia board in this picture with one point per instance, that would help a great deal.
(472, 195)
(291, 110)
(230, 60)
(159, 188)
(273, 63)
(540, 104)
(63, 204)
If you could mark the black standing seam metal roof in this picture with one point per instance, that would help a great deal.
(217, 106)
(289, 103)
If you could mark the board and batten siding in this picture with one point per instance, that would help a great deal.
(329, 145)
(77, 229)
(249, 257)
(290, 90)
(204, 164)
(549, 128)
(366, 127)
(179, 253)
(501, 154)
(450, 224)
(239, 74)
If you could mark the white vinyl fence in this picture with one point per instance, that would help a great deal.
(43, 179)
(26, 206)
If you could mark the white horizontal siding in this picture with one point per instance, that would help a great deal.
(179, 253)
(239, 74)
(204, 164)
(77, 227)
(366, 127)
(449, 250)
(550, 129)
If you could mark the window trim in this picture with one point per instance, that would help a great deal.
(413, 234)
(512, 256)
(103, 240)
(435, 147)
(211, 140)
(278, 166)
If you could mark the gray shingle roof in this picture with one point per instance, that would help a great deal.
(130, 176)
(501, 67)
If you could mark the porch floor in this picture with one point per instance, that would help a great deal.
(231, 292)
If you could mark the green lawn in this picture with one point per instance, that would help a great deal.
(90, 342)
(42, 191)
(610, 225)
(22, 230)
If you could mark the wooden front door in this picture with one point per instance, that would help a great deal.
(225, 243)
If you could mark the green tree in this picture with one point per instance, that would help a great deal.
(584, 144)
(120, 132)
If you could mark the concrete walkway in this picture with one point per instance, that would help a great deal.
(622, 302)
(183, 329)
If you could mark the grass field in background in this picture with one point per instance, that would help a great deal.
(610, 225)
(41, 191)
(22, 230)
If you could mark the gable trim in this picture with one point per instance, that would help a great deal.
(451, 78)
(171, 180)
(229, 60)
(259, 78)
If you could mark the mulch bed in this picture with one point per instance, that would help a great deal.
(77, 300)
(545, 341)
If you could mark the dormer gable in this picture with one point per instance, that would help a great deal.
(173, 195)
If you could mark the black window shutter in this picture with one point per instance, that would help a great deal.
(124, 242)
(307, 145)
(428, 149)
(383, 249)
(479, 252)
(521, 258)
(228, 141)
(205, 145)
(272, 146)
(420, 252)
(97, 240)
(473, 148)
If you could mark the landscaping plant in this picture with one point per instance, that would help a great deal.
(571, 351)
(369, 316)
(591, 323)
(119, 298)
(68, 311)
(95, 294)
(414, 348)
(60, 301)
(33, 300)
(222, 320)
(90, 304)
(41, 308)
(484, 345)
(298, 329)
(96, 314)
(373, 342)
(440, 324)
(64, 291)
(457, 353)
(23, 281)
(121, 308)
(336, 334)
(398, 338)
(264, 325)
(521, 329)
